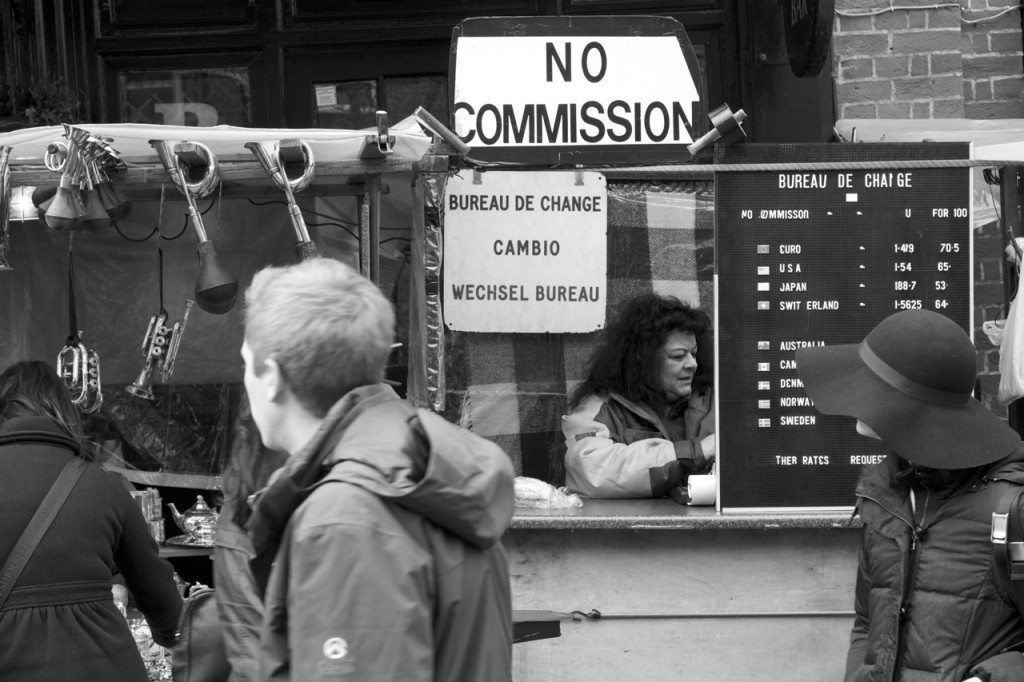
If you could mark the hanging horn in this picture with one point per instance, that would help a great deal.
(270, 154)
(216, 289)
(5, 205)
(66, 209)
(79, 367)
(160, 346)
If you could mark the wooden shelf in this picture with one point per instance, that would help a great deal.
(171, 551)
(161, 478)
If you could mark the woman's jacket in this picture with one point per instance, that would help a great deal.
(929, 604)
(618, 448)
(60, 621)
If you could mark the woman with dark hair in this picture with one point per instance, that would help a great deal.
(643, 420)
(59, 622)
(241, 609)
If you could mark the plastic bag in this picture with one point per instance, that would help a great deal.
(536, 494)
(1011, 350)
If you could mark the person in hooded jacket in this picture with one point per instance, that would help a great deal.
(932, 601)
(240, 606)
(377, 543)
(59, 621)
(644, 418)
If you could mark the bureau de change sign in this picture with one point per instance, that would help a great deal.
(574, 89)
(525, 251)
(813, 257)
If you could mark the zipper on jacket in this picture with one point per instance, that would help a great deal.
(908, 582)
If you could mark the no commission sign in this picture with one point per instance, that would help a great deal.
(525, 252)
(583, 88)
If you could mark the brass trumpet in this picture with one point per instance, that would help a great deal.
(268, 153)
(5, 206)
(160, 346)
(79, 367)
(216, 288)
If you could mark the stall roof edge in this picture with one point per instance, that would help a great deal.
(336, 152)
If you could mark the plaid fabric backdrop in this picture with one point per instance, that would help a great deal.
(512, 388)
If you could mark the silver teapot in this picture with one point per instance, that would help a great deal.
(197, 522)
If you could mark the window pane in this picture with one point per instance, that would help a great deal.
(347, 104)
(193, 97)
(402, 94)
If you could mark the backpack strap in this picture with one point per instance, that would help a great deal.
(26, 545)
(1008, 544)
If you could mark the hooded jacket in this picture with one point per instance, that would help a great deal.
(618, 448)
(930, 605)
(390, 568)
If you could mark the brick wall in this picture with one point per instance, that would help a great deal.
(938, 62)
(927, 62)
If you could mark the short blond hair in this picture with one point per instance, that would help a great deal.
(329, 328)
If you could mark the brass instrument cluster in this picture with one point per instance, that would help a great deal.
(160, 346)
(84, 198)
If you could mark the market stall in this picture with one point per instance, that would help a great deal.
(788, 245)
(354, 190)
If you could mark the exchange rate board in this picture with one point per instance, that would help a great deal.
(817, 254)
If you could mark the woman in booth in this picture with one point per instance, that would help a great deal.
(59, 622)
(643, 420)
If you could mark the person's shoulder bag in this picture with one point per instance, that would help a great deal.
(199, 654)
(26, 545)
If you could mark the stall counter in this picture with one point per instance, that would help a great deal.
(653, 590)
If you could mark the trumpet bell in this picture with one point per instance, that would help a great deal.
(216, 289)
(96, 217)
(66, 210)
(142, 387)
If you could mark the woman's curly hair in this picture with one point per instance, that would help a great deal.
(627, 359)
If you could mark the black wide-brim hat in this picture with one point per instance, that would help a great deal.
(911, 380)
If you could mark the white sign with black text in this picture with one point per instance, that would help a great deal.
(525, 252)
(572, 90)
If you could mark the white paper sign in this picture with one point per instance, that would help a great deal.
(525, 252)
(572, 90)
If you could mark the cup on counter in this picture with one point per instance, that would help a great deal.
(702, 489)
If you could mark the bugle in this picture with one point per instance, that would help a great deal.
(160, 346)
(79, 367)
(268, 153)
(216, 289)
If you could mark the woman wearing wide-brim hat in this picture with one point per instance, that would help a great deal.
(931, 601)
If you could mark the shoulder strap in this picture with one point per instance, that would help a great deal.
(1008, 544)
(41, 520)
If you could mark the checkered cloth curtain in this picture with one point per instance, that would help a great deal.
(512, 388)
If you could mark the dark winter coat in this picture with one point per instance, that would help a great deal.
(239, 603)
(391, 568)
(929, 605)
(60, 621)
